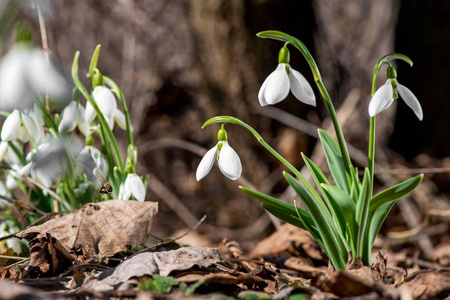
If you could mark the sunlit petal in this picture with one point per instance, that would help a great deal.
(119, 117)
(90, 113)
(31, 127)
(276, 87)
(411, 100)
(137, 186)
(69, 118)
(206, 163)
(229, 162)
(382, 99)
(301, 88)
(11, 126)
(105, 101)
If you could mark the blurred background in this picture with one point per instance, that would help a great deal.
(180, 63)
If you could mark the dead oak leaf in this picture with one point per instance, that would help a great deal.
(103, 228)
(149, 263)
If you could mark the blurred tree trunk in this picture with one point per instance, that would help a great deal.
(351, 37)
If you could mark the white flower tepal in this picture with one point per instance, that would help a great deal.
(386, 94)
(228, 160)
(276, 87)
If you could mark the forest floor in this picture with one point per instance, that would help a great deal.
(87, 254)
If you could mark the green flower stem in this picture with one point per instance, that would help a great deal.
(121, 97)
(106, 131)
(277, 35)
(371, 153)
(228, 119)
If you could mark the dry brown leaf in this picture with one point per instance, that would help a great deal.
(428, 284)
(289, 239)
(48, 257)
(103, 228)
(162, 263)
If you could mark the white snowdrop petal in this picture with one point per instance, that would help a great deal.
(45, 78)
(105, 101)
(127, 188)
(277, 86)
(229, 162)
(137, 187)
(31, 127)
(301, 88)
(382, 99)
(90, 113)
(83, 125)
(411, 100)
(206, 163)
(119, 117)
(11, 126)
(69, 118)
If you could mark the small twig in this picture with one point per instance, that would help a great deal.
(17, 263)
(170, 240)
(43, 187)
(11, 257)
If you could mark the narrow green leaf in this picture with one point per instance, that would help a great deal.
(281, 205)
(376, 220)
(333, 242)
(345, 210)
(335, 161)
(362, 213)
(396, 192)
(318, 176)
(356, 183)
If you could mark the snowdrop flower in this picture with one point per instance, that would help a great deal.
(105, 101)
(133, 186)
(26, 74)
(91, 158)
(71, 116)
(23, 126)
(386, 94)
(228, 160)
(276, 87)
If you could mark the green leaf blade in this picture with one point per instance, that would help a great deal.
(335, 161)
(333, 242)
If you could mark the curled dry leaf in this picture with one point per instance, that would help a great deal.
(162, 263)
(101, 228)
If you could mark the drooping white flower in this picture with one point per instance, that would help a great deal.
(276, 87)
(11, 127)
(105, 101)
(228, 160)
(386, 94)
(26, 74)
(71, 116)
(133, 186)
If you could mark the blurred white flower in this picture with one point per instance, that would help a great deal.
(228, 160)
(90, 159)
(105, 101)
(26, 74)
(386, 94)
(71, 116)
(133, 186)
(6, 228)
(23, 126)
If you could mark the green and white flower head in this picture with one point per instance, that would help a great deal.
(228, 160)
(133, 186)
(23, 126)
(385, 95)
(71, 116)
(276, 87)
